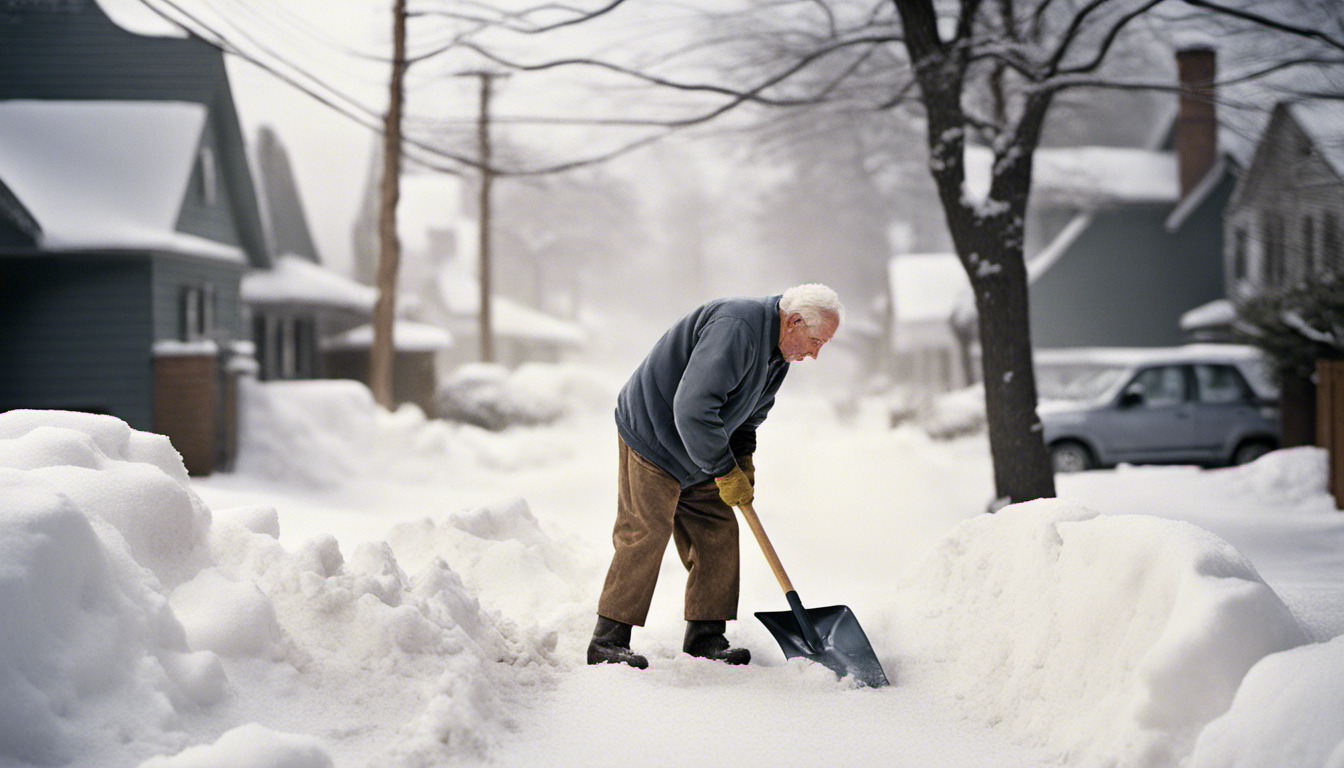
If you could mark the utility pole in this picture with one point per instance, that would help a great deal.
(487, 79)
(382, 353)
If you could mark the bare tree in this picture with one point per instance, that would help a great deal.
(984, 72)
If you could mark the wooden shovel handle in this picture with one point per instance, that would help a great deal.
(770, 556)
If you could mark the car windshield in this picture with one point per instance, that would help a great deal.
(1077, 382)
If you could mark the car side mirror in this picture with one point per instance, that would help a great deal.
(1132, 396)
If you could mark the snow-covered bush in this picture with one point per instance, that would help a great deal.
(493, 397)
(955, 414)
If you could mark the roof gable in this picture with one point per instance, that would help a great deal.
(101, 175)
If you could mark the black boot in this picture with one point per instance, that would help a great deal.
(611, 645)
(705, 639)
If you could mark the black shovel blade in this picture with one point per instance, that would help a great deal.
(840, 643)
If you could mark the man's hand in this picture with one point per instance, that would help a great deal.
(735, 487)
(747, 466)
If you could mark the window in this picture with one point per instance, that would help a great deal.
(1219, 384)
(1239, 253)
(1330, 248)
(198, 312)
(1273, 253)
(1308, 248)
(208, 174)
(1161, 386)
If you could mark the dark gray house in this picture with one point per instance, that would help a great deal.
(1123, 272)
(128, 217)
(294, 304)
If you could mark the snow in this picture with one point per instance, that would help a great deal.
(374, 588)
(926, 285)
(105, 174)
(461, 296)
(1086, 176)
(407, 335)
(1219, 312)
(295, 280)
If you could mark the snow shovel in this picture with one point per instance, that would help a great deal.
(830, 636)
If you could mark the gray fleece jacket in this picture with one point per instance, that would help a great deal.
(696, 400)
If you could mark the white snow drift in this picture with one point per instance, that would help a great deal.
(138, 626)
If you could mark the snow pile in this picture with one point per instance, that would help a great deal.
(1106, 640)
(95, 519)
(322, 433)
(955, 414)
(497, 547)
(129, 612)
(493, 397)
(253, 746)
(1287, 713)
(1286, 477)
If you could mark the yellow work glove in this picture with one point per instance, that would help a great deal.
(734, 487)
(747, 466)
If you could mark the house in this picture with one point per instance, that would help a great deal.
(438, 282)
(1283, 230)
(414, 361)
(127, 221)
(1285, 222)
(295, 303)
(1122, 243)
(928, 356)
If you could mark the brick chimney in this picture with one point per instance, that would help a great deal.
(1196, 122)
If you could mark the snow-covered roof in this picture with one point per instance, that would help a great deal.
(1087, 176)
(135, 16)
(295, 280)
(509, 318)
(926, 286)
(1130, 356)
(1216, 313)
(105, 174)
(408, 336)
(1324, 122)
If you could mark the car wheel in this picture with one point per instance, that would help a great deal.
(1070, 456)
(1248, 452)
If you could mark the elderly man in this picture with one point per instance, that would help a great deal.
(687, 421)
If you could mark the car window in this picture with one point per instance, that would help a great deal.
(1162, 386)
(1219, 384)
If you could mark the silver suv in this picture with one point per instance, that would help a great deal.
(1202, 403)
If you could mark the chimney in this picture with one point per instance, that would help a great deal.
(1196, 123)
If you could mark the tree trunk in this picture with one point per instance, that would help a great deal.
(1022, 469)
(382, 352)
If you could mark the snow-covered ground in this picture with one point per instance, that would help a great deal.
(373, 589)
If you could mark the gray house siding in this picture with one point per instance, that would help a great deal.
(207, 210)
(1285, 225)
(75, 335)
(174, 274)
(1127, 280)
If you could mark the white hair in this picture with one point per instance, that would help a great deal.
(814, 302)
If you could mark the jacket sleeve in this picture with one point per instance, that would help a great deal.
(717, 365)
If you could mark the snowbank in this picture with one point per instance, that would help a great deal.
(129, 611)
(1286, 715)
(95, 520)
(324, 433)
(252, 746)
(1288, 477)
(1107, 640)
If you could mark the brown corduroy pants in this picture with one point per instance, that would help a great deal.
(650, 507)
